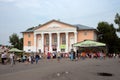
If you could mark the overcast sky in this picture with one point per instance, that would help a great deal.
(18, 15)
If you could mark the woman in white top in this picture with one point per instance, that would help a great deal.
(11, 58)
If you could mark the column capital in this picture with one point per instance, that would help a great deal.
(66, 33)
(58, 32)
(34, 33)
(42, 33)
(50, 33)
(75, 32)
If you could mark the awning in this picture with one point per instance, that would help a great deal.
(89, 43)
(15, 50)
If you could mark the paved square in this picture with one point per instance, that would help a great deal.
(88, 69)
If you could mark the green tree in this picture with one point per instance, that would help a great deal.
(21, 43)
(117, 21)
(15, 41)
(108, 36)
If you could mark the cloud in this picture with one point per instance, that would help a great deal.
(27, 4)
(23, 3)
(7, 0)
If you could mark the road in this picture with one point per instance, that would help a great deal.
(88, 69)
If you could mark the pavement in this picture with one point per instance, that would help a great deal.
(88, 69)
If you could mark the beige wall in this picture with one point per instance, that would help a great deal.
(26, 38)
(86, 34)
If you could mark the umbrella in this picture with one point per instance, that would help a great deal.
(89, 43)
(15, 50)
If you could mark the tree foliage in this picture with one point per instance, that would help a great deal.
(21, 43)
(108, 36)
(117, 21)
(15, 41)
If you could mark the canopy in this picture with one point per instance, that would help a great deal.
(15, 50)
(89, 43)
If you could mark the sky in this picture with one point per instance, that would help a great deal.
(18, 15)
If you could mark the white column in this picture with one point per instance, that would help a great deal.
(58, 41)
(66, 42)
(42, 38)
(35, 47)
(50, 42)
(75, 35)
(75, 39)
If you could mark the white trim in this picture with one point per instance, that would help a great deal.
(42, 38)
(56, 30)
(66, 42)
(28, 48)
(75, 35)
(58, 41)
(35, 42)
(50, 42)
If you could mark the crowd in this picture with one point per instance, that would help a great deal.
(35, 57)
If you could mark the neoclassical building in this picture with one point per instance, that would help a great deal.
(56, 36)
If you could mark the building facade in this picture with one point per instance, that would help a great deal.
(56, 36)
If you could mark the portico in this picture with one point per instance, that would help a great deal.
(51, 41)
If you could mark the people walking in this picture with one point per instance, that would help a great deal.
(72, 55)
(58, 56)
(29, 59)
(32, 59)
(4, 57)
(37, 57)
(11, 59)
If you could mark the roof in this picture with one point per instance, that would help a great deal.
(83, 27)
(30, 29)
(79, 26)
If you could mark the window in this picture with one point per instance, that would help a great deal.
(63, 39)
(28, 34)
(29, 43)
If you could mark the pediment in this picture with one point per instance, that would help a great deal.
(55, 25)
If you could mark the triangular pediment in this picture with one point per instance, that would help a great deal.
(55, 25)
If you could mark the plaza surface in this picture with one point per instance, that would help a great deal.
(87, 69)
